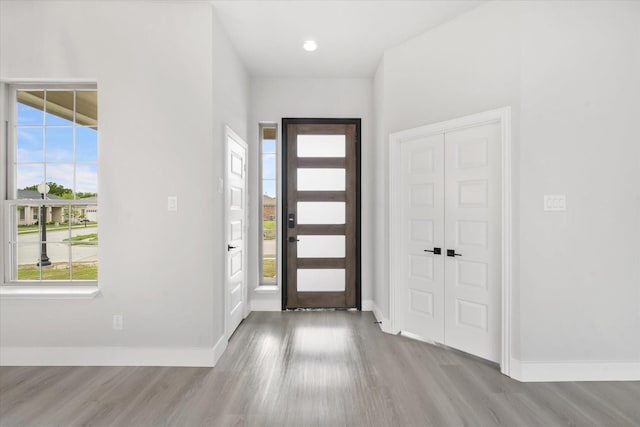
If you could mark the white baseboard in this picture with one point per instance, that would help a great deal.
(514, 369)
(367, 305)
(113, 356)
(219, 349)
(574, 371)
(266, 305)
(385, 324)
(417, 338)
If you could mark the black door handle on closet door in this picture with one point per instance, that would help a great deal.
(229, 247)
(452, 253)
(435, 251)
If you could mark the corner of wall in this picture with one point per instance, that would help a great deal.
(380, 202)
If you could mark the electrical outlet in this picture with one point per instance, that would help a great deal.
(172, 203)
(117, 322)
(555, 202)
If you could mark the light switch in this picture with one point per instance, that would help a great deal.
(172, 203)
(555, 202)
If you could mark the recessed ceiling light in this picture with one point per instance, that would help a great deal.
(310, 45)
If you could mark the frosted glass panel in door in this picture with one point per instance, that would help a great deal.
(321, 280)
(321, 246)
(321, 145)
(321, 212)
(321, 179)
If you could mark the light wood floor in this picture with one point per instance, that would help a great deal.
(310, 369)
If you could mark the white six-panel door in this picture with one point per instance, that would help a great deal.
(236, 204)
(472, 230)
(422, 228)
(450, 199)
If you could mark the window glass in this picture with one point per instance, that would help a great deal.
(54, 199)
(269, 205)
(321, 145)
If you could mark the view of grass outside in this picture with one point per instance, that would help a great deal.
(269, 268)
(58, 271)
(268, 260)
(84, 239)
(269, 229)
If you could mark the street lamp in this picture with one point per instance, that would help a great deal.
(43, 189)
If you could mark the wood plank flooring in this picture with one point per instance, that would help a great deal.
(310, 369)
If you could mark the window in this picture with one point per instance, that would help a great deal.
(269, 205)
(52, 205)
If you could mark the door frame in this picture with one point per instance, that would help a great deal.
(502, 116)
(284, 153)
(229, 133)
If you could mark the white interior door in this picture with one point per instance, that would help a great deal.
(236, 224)
(472, 230)
(449, 186)
(422, 231)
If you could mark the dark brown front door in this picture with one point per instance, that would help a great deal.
(321, 238)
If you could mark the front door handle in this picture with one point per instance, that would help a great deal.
(435, 251)
(293, 239)
(229, 247)
(452, 253)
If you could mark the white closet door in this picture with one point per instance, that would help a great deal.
(422, 228)
(472, 229)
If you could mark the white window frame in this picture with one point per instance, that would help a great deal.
(41, 289)
(262, 285)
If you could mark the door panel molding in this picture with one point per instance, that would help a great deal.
(503, 117)
(352, 264)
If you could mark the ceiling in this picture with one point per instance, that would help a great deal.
(351, 34)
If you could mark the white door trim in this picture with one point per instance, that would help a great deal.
(502, 116)
(229, 133)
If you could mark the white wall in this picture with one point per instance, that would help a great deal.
(579, 136)
(570, 73)
(271, 100)
(161, 134)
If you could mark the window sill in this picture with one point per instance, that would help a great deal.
(49, 292)
(266, 289)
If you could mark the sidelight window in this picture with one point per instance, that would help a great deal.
(269, 205)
